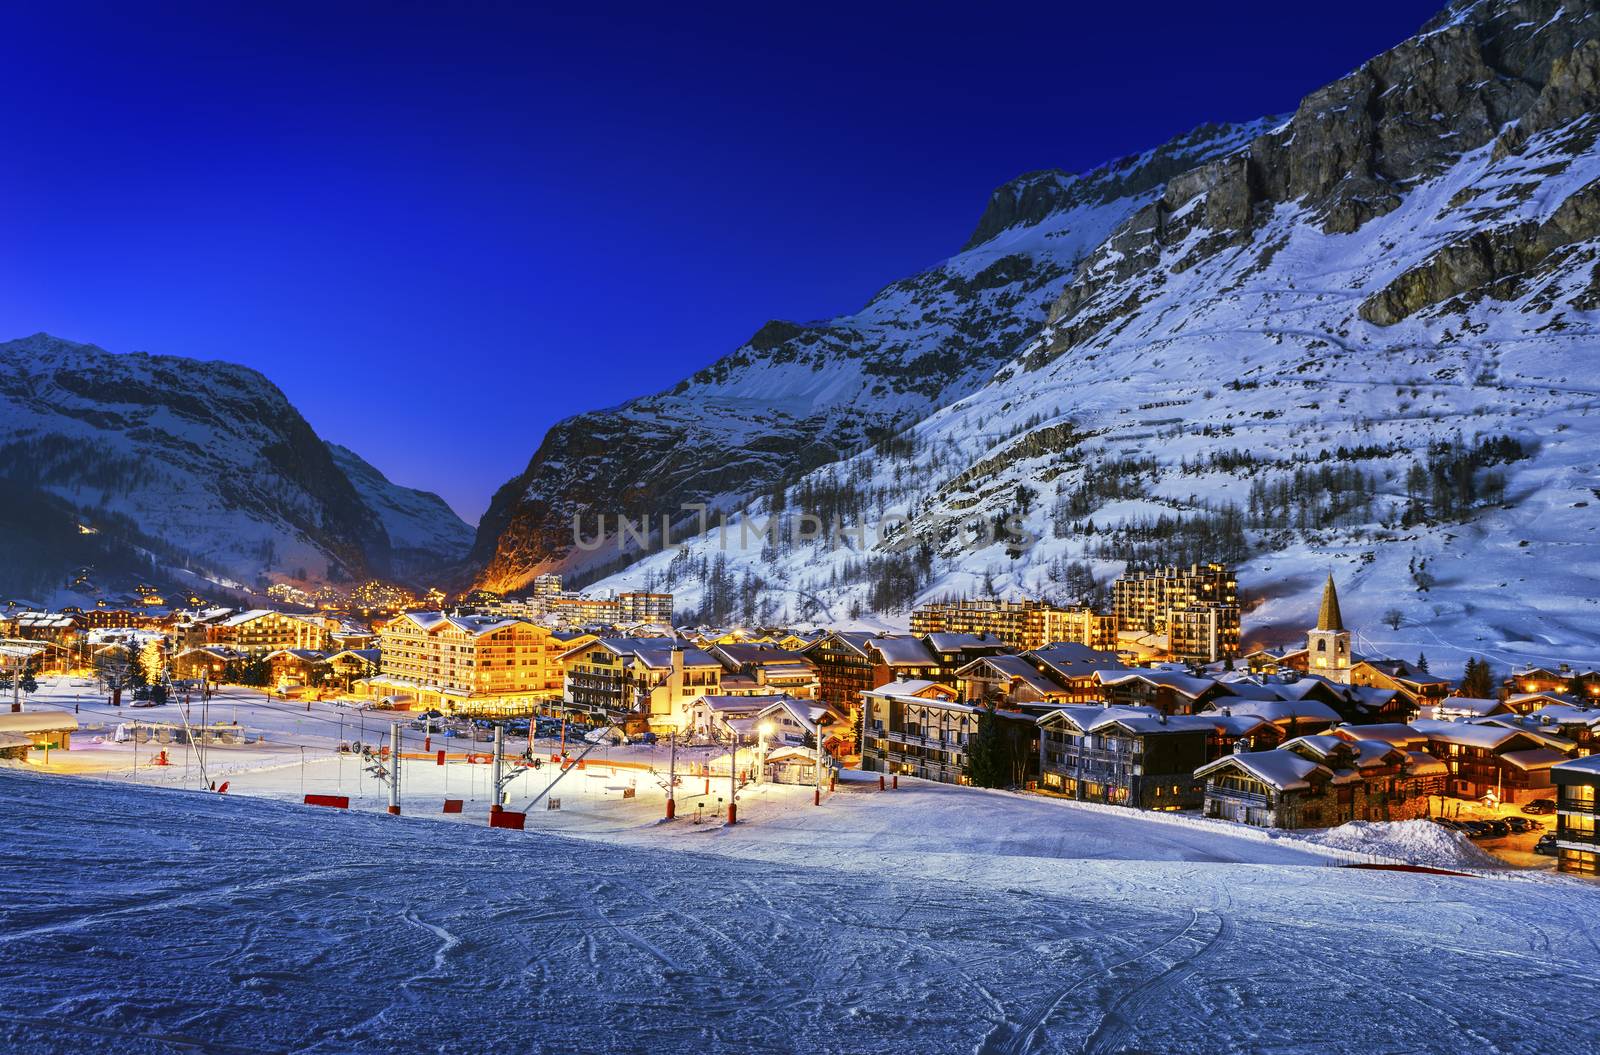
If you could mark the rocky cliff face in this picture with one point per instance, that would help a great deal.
(798, 396)
(1359, 342)
(194, 464)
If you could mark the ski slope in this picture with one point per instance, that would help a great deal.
(136, 919)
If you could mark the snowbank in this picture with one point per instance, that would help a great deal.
(1414, 842)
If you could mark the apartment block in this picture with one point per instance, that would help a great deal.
(1142, 600)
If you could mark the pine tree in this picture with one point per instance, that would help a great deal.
(1477, 681)
(1422, 663)
(986, 762)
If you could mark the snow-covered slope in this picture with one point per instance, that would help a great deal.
(797, 396)
(144, 920)
(1402, 274)
(196, 465)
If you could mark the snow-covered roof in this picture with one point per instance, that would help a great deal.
(1471, 705)
(1069, 659)
(1015, 667)
(1589, 764)
(1487, 736)
(903, 652)
(1086, 716)
(476, 625)
(739, 704)
(944, 641)
(1396, 733)
(1535, 758)
(1280, 769)
(369, 655)
(1185, 684)
(41, 721)
(1278, 710)
(918, 688)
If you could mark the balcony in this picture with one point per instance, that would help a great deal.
(1253, 798)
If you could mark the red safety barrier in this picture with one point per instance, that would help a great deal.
(338, 802)
(507, 819)
(452, 805)
(480, 759)
(440, 756)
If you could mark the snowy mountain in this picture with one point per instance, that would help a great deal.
(798, 396)
(160, 464)
(1359, 342)
(425, 534)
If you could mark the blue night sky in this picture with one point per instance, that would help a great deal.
(441, 228)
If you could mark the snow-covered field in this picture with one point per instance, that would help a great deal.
(930, 918)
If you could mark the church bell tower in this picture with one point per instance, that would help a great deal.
(1328, 646)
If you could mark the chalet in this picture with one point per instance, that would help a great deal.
(798, 723)
(758, 669)
(1267, 789)
(1124, 756)
(1321, 781)
(1276, 660)
(1229, 729)
(297, 667)
(1453, 708)
(648, 680)
(1168, 691)
(720, 717)
(901, 659)
(1419, 688)
(209, 662)
(1075, 666)
(1491, 760)
(1395, 782)
(1577, 785)
(1564, 680)
(1579, 724)
(921, 728)
(347, 666)
(1012, 682)
(1394, 734)
(1357, 704)
(953, 652)
(1290, 718)
(844, 668)
(261, 631)
(23, 731)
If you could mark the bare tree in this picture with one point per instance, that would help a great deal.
(1393, 618)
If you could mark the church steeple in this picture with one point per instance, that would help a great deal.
(1329, 618)
(1328, 646)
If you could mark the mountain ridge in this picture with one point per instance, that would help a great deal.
(205, 461)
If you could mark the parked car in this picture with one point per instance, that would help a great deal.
(1498, 829)
(645, 738)
(1447, 823)
(1540, 806)
(1523, 825)
(1546, 845)
(1475, 829)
